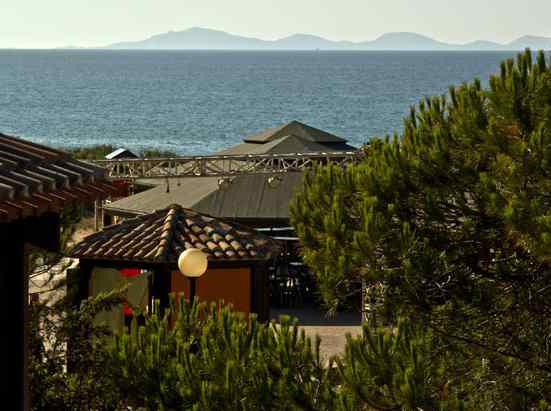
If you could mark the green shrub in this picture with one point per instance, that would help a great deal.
(212, 359)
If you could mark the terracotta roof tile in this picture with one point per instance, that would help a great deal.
(160, 237)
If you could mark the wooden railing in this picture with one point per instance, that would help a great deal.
(220, 166)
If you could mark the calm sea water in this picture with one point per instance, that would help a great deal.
(200, 102)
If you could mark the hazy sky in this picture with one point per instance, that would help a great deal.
(38, 23)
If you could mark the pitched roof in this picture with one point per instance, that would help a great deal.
(246, 197)
(289, 138)
(264, 201)
(294, 128)
(120, 153)
(185, 192)
(286, 145)
(267, 197)
(35, 179)
(161, 237)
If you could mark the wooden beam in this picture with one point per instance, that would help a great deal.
(98, 215)
(44, 231)
(14, 305)
(162, 287)
(260, 291)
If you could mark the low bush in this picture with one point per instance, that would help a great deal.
(195, 357)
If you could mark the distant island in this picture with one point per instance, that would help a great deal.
(197, 38)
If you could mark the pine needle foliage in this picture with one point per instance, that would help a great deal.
(195, 357)
(454, 218)
(69, 367)
(394, 369)
(211, 358)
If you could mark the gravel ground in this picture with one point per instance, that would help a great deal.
(332, 331)
(333, 338)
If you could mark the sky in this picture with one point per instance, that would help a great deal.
(56, 23)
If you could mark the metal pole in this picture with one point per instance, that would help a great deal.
(98, 215)
(192, 289)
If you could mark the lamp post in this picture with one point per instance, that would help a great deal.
(192, 264)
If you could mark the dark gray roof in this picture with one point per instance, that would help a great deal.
(293, 137)
(294, 128)
(246, 197)
(253, 196)
(286, 145)
(185, 192)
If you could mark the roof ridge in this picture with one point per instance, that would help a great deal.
(167, 231)
(172, 230)
(295, 128)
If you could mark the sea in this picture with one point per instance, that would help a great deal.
(198, 102)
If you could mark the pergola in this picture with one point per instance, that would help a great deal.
(36, 184)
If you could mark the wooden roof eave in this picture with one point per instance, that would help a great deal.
(35, 179)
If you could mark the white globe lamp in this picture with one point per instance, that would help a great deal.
(192, 263)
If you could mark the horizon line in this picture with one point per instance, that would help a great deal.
(318, 36)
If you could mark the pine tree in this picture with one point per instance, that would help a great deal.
(395, 369)
(454, 219)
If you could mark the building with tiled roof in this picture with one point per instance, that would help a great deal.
(152, 243)
(160, 237)
(37, 184)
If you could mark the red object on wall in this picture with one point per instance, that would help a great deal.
(128, 272)
(126, 310)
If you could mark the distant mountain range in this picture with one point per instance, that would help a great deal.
(206, 39)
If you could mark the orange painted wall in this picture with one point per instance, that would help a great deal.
(233, 285)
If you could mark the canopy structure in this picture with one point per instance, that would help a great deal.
(160, 238)
(249, 199)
